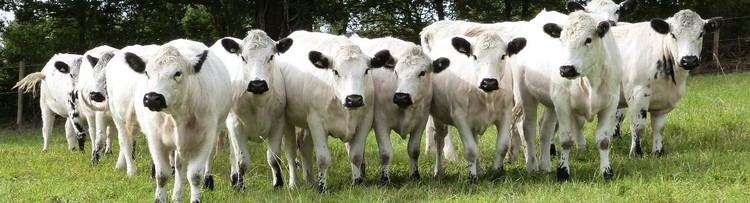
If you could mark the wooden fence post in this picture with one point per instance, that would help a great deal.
(19, 113)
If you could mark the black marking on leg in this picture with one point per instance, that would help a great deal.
(617, 131)
(322, 188)
(153, 170)
(363, 169)
(158, 201)
(473, 178)
(643, 113)
(277, 174)
(552, 150)
(81, 140)
(208, 182)
(562, 173)
(415, 175)
(608, 174)
(638, 150)
(161, 180)
(196, 201)
(95, 156)
(357, 181)
(659, 152)
(384, 177)
(238, 179)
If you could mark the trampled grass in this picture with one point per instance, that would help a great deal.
(708, 159)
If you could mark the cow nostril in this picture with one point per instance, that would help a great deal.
(257, 86)
(402, 99)
(568, 71)
(354, 101)
(154, 101)
(689, 62)
(489, 85)
(96, 96)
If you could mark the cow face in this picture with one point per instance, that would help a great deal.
(487, 56)
(98, 85)
(414, 71)
(582, 43)
(257, 51)
(349, 68)
(684, 35)
(167, 73)
(605, 9)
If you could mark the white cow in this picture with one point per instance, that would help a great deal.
(178, 80)
(604, 9)
(474, 93)
(58, 97)
(330, 92)
(403, 96)
(575, 77)
(115, 82)
(91, 104)
(259, 98)
(658, 56)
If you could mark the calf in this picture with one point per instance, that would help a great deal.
(259, 98)
(58, 97)
(330, 92)
(474, 93)
(576, 80)
(91, 104)
(403, 95)
(658, 56)
(178, 79)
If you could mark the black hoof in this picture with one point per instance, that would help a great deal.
(617, 132)
(415, 176)
(562, 174)
(108, 151)
(660, 152)
(158, 201)
(208, 182)
(196, 201)
(552, 150)
(638, 150)
(95, 158)
(81, 141)
(322, 189)
(153, 171)
(278, 184)
(357, 181)
(473, 178)
(498, 172)
(608, 174)
(233, 179)
(363, 169)
(385, 179)
(238, 182)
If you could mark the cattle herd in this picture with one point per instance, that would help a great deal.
(182, 94)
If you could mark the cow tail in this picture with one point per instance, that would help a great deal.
(30, 83)
(130, 121)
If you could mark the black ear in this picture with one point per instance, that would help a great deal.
(462, 46)
(92, 60)
(283, 45)
(318, 60)
(62, 67)
(383, 58)
(712, 24)
(230, 45)
(574, 6)
(602, 28)
(201, 59)
(627, 7)
(135, 62)
(105, 59)
(515, 46)
(553, 30)
(660, 26)
(440, 64)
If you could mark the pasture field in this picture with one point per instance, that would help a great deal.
(707, 143)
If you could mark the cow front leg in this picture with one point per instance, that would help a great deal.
(273, 158)
(470, 147)
(290, 145)
(162, 168)
(638, 106)
(323, 155)
(240, 153)
(567, 126)
(383, 137)
(547, 128)
(197, 162)
(658, 123)
(529, 133)
(604, 131)
(441, 130)
(357, 153)
(502, 141)
(413, 150)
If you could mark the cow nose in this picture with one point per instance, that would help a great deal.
(154, 101)
(354, 101)
(569, 72)
(257, 86)
(96, 96)
(403, 100)
(689, 62)
(489, 85)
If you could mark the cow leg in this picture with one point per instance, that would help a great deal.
(638, 107)
(580, 138)
(180, 173)
(604, 131)
(529, 133)
(291, 153)
(126, 147)
(568, 124)
(413, 150)
(208, 175)
(323, 155)
(70, 134)
(658, 123)
(197, 162)
(429, 140)
(471, 151)
(547, 128)
(162, 168)
(619, 117)
(238, 146)
(100, 138)
(449, 149)
(306, 153)
(357, 151)
(91, 121)
(273, 158)
(502, 140)
(383, 137)
(441, 130)
(108, 142)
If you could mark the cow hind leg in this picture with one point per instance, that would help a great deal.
(306, 154)
(529, 132)
(658, 123)
(547, 125)
(441, 130)
(290, 149)
(619, 117)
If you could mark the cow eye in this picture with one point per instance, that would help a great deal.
(177, 75)
(335, 72)
(367, 71)
(502, 57)
(243, 59)
(270, 58)
(588, 41)
(673, 37)
(422, 73)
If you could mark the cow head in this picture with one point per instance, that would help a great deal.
(582, 41)
(414, 70)
(98, 85)
(349, 68)
(684, 36)
(606, 9)
(487, 56)
(167, 73)
(257, 51)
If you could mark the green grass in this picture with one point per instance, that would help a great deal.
(708, 159)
